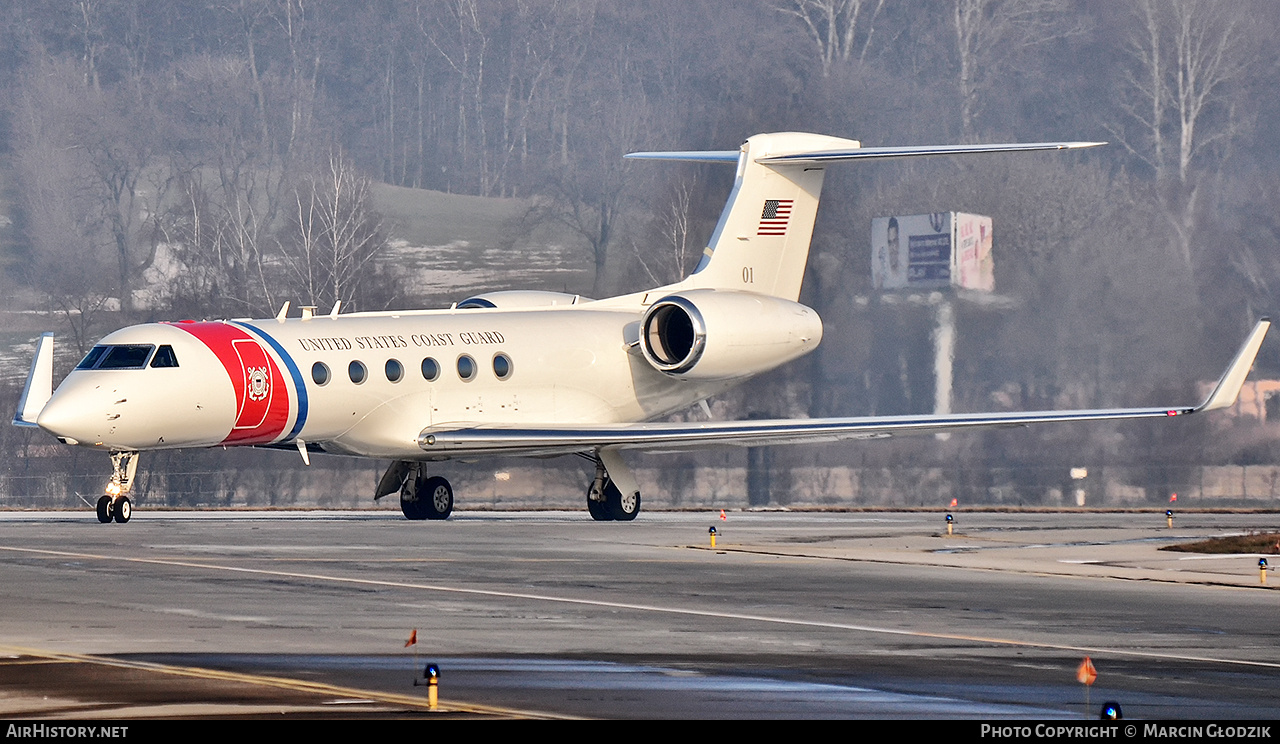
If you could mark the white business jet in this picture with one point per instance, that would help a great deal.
(517, 372)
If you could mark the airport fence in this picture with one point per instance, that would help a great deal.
(274, 480)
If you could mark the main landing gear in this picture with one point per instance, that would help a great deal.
(613, 494)
(421, 496)
(114, 504)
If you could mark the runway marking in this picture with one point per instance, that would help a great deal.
(767, 619)
(345, 695)
(1116, 566)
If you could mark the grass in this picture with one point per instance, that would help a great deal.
(1267, 543)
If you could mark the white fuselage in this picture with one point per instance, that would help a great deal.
(268, 382)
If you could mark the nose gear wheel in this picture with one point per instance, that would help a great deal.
(114, 505)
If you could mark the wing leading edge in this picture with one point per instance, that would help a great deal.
(549, 440)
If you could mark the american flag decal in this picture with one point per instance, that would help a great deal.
(773, 221)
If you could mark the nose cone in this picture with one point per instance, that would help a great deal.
(65, 417)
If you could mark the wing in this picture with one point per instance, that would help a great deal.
(564, 439)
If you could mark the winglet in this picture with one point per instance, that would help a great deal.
(1224, 395)
(39, 384)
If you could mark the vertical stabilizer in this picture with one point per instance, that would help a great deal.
(761, 243)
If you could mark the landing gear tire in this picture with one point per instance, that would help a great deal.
(426, 498)
(435, 498)
(599, 510)
(409, 504)
(104, 509)
(622, 507)
(122, 510)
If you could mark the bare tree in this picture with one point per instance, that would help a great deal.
(1182, 94)
(668, 258)
(461, 34)
(837, 27)
(83, 159)
(993, 35)
(240, 183)
(334, 235)
(587, 196)
(1186, 58)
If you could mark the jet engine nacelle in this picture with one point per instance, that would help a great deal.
(708, 334)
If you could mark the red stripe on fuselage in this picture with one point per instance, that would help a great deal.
(262, 397)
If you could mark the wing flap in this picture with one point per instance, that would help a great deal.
(666, 436)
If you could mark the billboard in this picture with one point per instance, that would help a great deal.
(923, 251)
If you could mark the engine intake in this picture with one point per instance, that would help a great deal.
(707, 334)
(674, 335)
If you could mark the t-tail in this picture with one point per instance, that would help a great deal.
(761, 243)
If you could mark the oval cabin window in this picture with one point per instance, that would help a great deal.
(430, 369)
(357, 372)
(466, 368)
(501, 366)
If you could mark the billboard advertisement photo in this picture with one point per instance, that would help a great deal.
(931, 251)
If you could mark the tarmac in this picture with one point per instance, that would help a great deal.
(256, 614)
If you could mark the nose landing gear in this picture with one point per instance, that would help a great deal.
(114, 504)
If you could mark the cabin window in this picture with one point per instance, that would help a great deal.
(126, 356)
(395, 370)
(430, 369)
(466, 368)
(320, 373)
(501, 366)
(357, 372)
(164, 357)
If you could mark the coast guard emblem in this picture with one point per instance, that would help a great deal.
(259, 383)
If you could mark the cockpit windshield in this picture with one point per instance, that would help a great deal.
(164, 357)
(122, 356)
(91, 359)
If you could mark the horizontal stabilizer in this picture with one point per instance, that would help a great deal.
(812, 157)
(878, 153)
(691, 156)
(39, 384)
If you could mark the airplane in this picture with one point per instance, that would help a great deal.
(524, 373)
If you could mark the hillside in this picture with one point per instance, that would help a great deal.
(447, 247)
(455, 246)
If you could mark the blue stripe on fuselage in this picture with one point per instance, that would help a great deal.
(293, 372)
